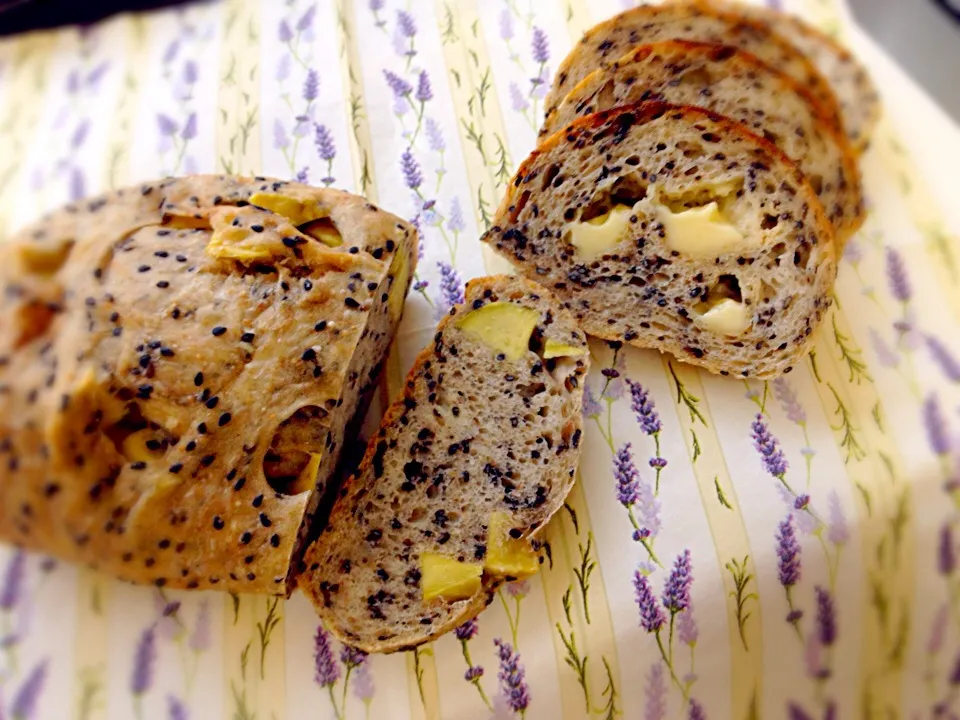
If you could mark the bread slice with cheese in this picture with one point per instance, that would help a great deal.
(180, 364)
(607, 42)
(676, 229)
(739, 85)
(468, 465)
(857, 95)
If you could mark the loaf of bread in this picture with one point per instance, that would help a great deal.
(179, 362)
(676, 229)
(609, 41)
(734, 83)
(468, 465)
(857, 96)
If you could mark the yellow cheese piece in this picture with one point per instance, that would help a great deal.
(400, 269)
(297, 211)
(554, 349)
(307, 479)
(597, 235)
(324, 231)
(507, 556)
(727, 317)
(45, 258)
(230, 242)
(446, 578)
(504, 326)
(700, 232)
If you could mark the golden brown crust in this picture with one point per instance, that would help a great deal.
(151, 381)
(611, 39)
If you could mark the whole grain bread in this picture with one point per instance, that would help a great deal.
(178, 366)
(858, 98)
(769, 255)
(739, 85)
(476, 431)
(610, 40)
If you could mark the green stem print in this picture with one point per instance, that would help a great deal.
(265, 630)
(741, 594)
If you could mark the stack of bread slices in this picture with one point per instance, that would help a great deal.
(695, 181)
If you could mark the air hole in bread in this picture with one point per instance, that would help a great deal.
(816, 182)
(769, 222)
(296, 439)
(801, 257)
(771, 136)
(627, 190)
(605, 95)
(516, 209)
(700, 77)
(45, 258)
(550, 175)
(727, 287)
(690, 149)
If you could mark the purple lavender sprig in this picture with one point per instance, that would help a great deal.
(788, 554)
(687, 630)
(24, 704)
(400, 87)
(327, 672)
(455, 223)
(326, 149)
(424, 90)
(897, 276)
(473, 673)
(774, 461)
(200, 639)
(513, 684)
(649, 421)
(696, 711)
(540, 46)
(946, 551)
(13, 580)
(363, 688)
(451, 289)
(143, 661)
(826, 617)
(406, 24)
(935, 425)
(945, 360)
(411, 170)
(655, 703)
(627, 477)
(176, 710)
(352, 657)
(311, 86)
(652, 617)
(676, 593)
(467, 631)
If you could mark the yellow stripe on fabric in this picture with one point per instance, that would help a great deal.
(577, 15)
(855, 413)
(729, 532)
(579, 613)
(361, 156)
(134, 31)
(489, 167)
(19, 123)
(941, 245)
(93, 588)
(253, 638)
(238, 106)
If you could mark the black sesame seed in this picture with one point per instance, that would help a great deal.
(212, 402)
(240, 483)
(224, 419)
(139, 465)
(308, 355)
(320, 326)
(218, 523)
(246, 538)
(218, 331)
(351, 303)
(163, 544)
(181, 258)
(143, 268)
(162, 253)
(258, 501)
(247, 337)
(515, 533)
(265, 521)
(257, 228)
(374, 536)
(275, 540)
(307, 285)
(163, 284)
(176, 467)
(202, 428)
(191, 446)
(207, 460)
(167, 352)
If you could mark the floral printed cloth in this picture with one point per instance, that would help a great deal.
(731, 550)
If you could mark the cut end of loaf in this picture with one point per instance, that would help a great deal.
(740, 295)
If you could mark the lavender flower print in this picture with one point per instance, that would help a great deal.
(200, 638)
(651, 615)
(375, 7)
(473, 673)
(946, 551)
(540, 46)
(787, 397)
(363, 688)
(352, 657)
(826, 618)
(176, 709)
(649, 421)
(774, 461)
(936, 426)
(897, 276)
(676, 593)
(13, 580)
(655, 702)
(591, 406)
(424, 91)
(144, 659)
(838, 531)
(327, 672)
(636, 494)
(518, 102)
(687, 631)
(938, 629)
(451, 289)
(404, 36)
(788, 554)
(25, 701)
(326, 149)
(696, 711)
(411, 170)
(467, 631)
(627, 477)
(513, 684)
(886, 356)
(945, 360)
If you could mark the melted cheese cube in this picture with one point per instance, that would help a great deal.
(701, 232)
(595, 236)
(727, 317)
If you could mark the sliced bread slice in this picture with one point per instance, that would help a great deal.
(857, 95)
(739, 85)
(607, 42)
(468, 465)
(181, 361)
(676, 229)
